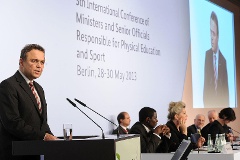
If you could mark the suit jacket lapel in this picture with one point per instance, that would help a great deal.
(195, 128)
(27, 89)
(123, 130)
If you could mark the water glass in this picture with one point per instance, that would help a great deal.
(67, 131)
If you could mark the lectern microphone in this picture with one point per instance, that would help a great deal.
(83, 104)
(234, 130)
(74, 105)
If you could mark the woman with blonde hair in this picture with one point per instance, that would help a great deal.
(177, 118)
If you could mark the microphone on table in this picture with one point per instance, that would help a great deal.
(84, 105)
(231, 131)
(74, 105)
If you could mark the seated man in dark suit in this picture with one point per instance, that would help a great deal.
(212, 116)
(197, 126)
(149, 135)
(124, 120)
(225, 116)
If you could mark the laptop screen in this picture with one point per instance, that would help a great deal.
(183, 150)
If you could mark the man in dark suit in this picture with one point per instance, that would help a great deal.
(197, 126)
(215, 92)
(212, 116)
(124, 120)
(225, 116)
(23, 110)
(150, 136)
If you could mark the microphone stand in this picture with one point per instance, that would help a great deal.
(103, 136)
(118, 132)
(235, 131)
(83, 104)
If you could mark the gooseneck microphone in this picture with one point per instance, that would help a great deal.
(74, 105)
(83, 104)
(231, 131)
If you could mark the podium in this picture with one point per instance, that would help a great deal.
(125, 147)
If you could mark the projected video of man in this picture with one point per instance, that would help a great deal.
(215, 92)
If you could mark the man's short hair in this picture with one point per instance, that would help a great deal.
(146, 112)
(198, 115)
(27, 48)
(212, 111)
(120, 116)
(215, 19)
(227, 114)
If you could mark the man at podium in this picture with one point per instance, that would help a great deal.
(23, 111)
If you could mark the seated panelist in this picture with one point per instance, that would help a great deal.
(150, 135)
(124, 120)
(197, 126)
(177, 117)
(226, 116)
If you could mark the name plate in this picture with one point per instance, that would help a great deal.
(227, 148)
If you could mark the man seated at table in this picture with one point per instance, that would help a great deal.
(197, 126)
(150, 135)
(124, 120)
(225, 116)
(212, 116)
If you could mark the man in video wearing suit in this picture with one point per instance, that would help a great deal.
(215, 92)
(23, 108)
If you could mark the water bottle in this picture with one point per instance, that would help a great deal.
(216, 144)
(224, 139)
(220, 142)
(209, 144)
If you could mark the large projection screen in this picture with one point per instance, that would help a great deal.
(205, 95)
(112, 55)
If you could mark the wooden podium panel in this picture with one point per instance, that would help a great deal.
(76, 149)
